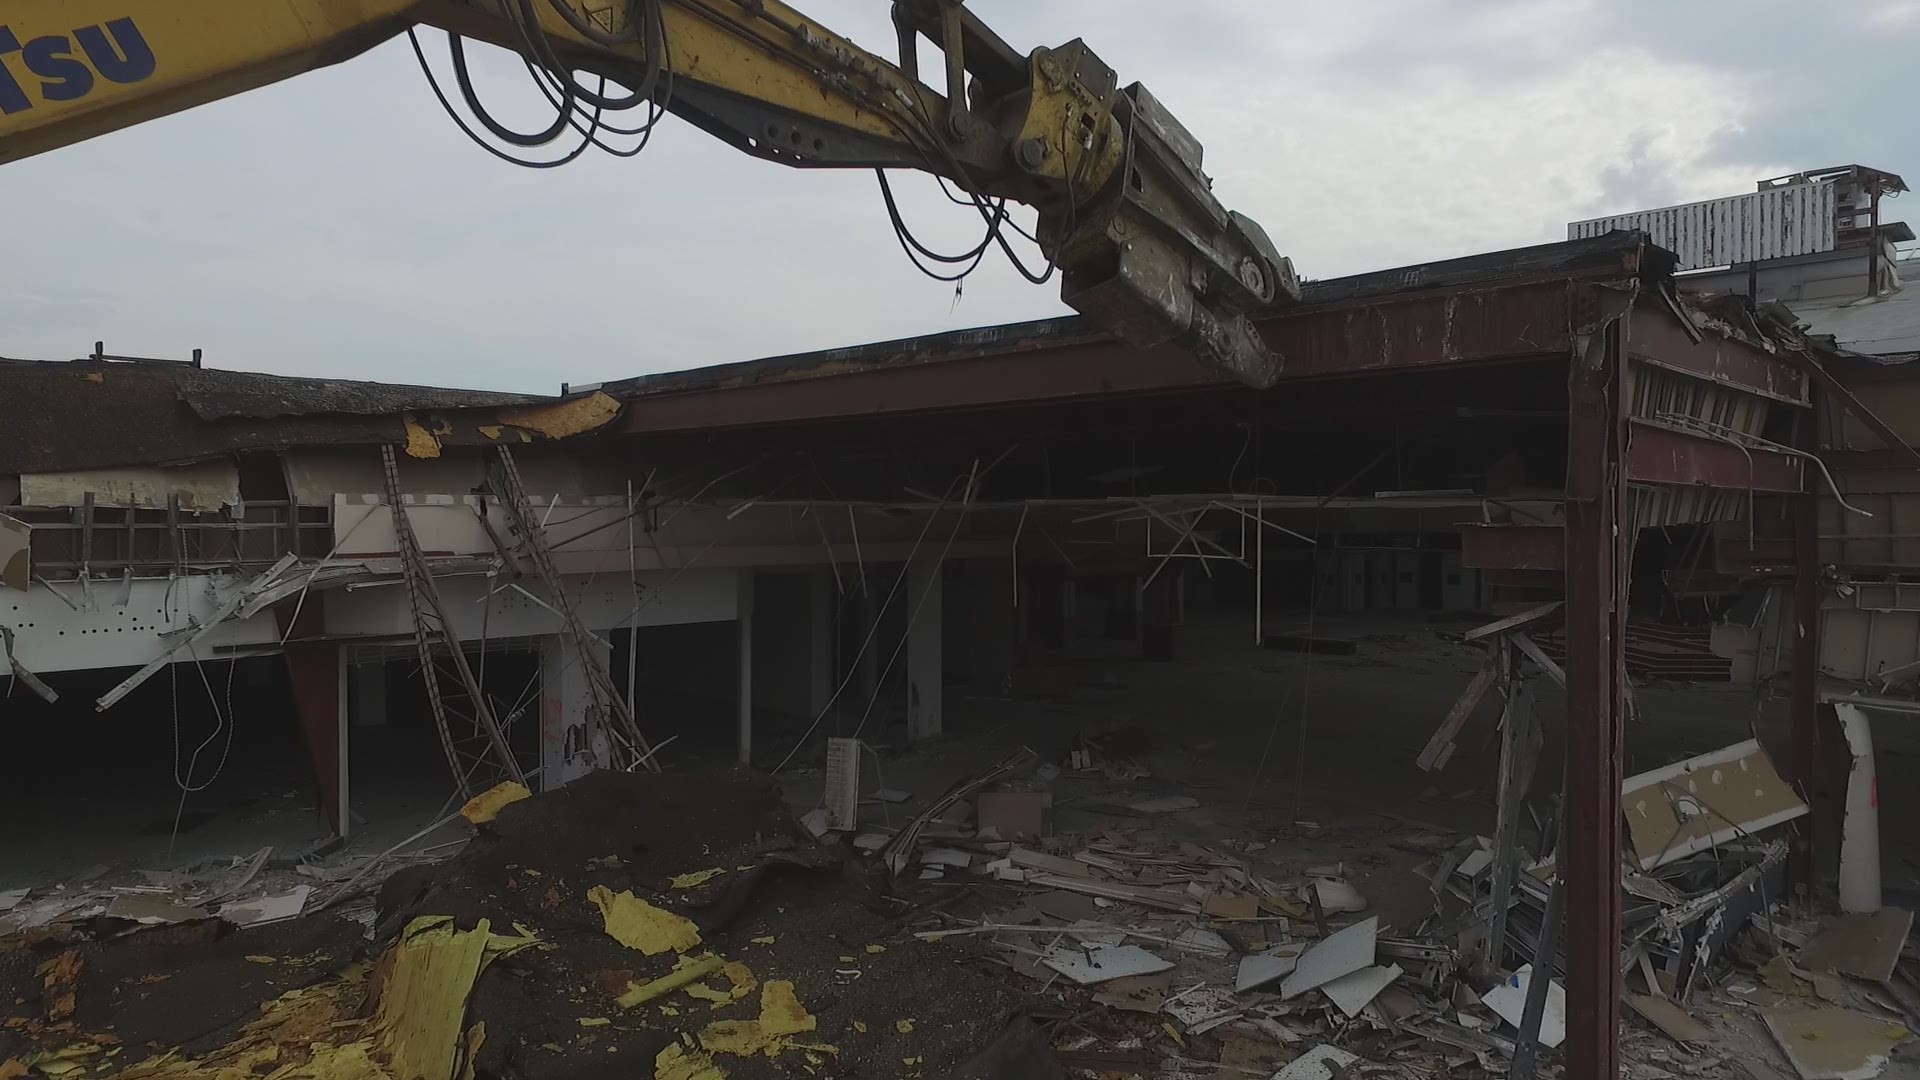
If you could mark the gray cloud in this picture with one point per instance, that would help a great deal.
(338, 223)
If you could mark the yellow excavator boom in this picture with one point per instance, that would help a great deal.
(1124, 212)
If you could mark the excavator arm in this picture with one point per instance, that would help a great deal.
(1124, 212)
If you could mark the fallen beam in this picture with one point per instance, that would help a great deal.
(234, 603)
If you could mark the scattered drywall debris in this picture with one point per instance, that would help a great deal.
(1261, 969)
(1135, 993)
(1867, 945)
(1833, 1044)
(266, 909)
(1509, 1000)
(1356, 990)
(1096, 965)
(1318, 1063)
(1705, 801)
(1203, 1008)
(1677, 1023)
(1341, 953)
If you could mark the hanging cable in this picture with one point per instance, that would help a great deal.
(457, 49)
(467, 129)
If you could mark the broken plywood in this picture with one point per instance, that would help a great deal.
(1704, 801)
(1867, 946)
(1833, 1044)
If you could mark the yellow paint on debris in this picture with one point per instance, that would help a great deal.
(686, 971)
(563, 418)
(487, 805)
(594, 1021)
(781, 1017)
(677, 1062)
(423, 998)
(703, 992)
(420, 442)
(697, 878)
(768, 940)
(875, 950)
(742, 979)
(904, 1027)
(637, 924)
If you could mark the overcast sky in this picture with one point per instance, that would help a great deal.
(338, 224)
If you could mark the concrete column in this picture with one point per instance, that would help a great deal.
(746, 667)
(923, 649)
(571, 745)
(367, 694)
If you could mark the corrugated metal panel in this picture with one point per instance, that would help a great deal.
(1796, 219)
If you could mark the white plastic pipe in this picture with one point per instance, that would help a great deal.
(1860, 827)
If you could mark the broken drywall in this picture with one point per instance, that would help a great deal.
(1692, 805)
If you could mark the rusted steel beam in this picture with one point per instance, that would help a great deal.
(1596, 587)
(1513, 547)
(1465, 326)
(1763, 557)
(1659, 339)
(1661, 455)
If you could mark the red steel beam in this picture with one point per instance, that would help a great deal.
(317, 679)
(1662, 455)
(1436, 330)
(1596, 586)
(1513, 547)
(1660, 340)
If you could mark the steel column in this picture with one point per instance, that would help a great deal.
(1805, 692)
(1598, 532)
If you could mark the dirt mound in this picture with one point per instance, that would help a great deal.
(781, 904)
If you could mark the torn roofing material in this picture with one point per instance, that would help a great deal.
(89, 414)
(1616, 254)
